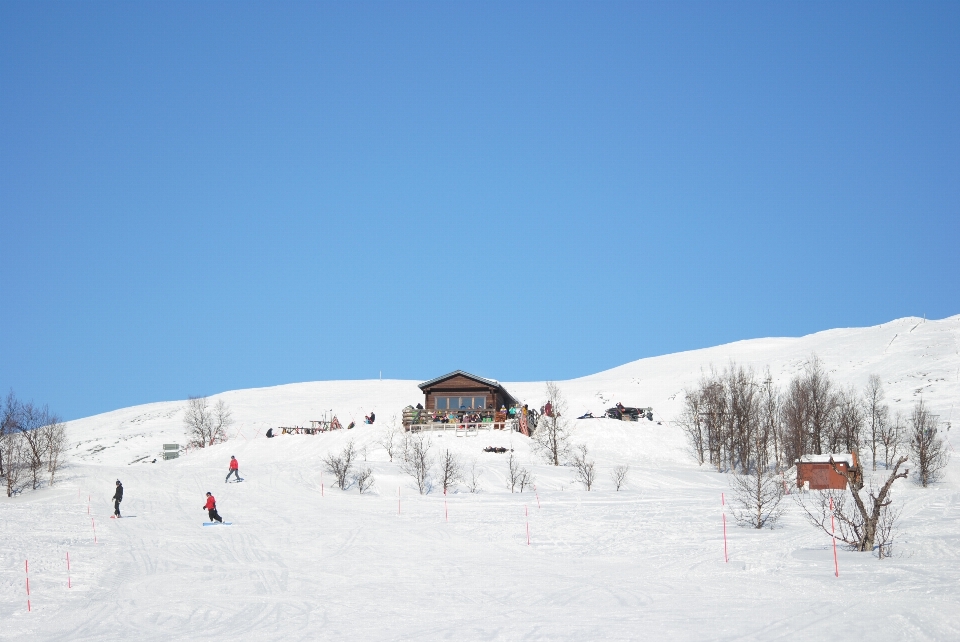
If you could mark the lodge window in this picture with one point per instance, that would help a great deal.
(458, 403)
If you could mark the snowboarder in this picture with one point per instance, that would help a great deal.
(269, 433)
(211, 507)
(234, 469)
(117, 498)
(369, 419)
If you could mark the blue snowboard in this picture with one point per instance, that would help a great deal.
(218, 523)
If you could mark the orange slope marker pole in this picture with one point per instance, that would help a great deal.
(836, 566)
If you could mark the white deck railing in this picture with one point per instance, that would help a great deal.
(465, 429)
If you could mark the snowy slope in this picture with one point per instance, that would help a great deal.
(304, 561)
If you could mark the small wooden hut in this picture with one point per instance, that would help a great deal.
(815, 472)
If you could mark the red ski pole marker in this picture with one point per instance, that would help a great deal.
(836, 567)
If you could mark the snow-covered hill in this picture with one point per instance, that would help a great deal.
(913, 357)
(305, 561)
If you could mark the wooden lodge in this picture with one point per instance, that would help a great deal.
(459, 390)
(815, 472)
(466, 403)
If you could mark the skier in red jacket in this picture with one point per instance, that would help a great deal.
(211, 507)
(234, 469)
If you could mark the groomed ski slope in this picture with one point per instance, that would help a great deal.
(301, 563)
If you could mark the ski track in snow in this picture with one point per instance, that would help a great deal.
(643, 562)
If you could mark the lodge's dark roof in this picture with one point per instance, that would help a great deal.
(486, 382)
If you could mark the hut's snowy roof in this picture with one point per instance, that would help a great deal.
(846, 458)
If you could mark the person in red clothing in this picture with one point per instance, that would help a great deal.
(211, 507)
(234, 469)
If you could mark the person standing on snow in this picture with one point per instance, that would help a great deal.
(234, 469)
(211, 507)
(117, 498)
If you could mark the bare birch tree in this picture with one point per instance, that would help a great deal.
(473, 479)
(30, 422)
(892, 438)
(927, 448)
(526, 479)
(416, 460)
(513, 472)
(584, 468)
(221, 420)
(8, 423)
(451, 471)
(691, 422)
(54, 436)
(340, 465)
(552, 436)
(877, 414)
(390, 439)
(619, 475)
(364, 479)
(845, 432)
(14, 454)
(32, 442)
(198, 422)
(757, 498)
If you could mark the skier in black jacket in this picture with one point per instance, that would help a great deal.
(117, 498)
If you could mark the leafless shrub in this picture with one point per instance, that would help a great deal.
(525, 479)
(451, 471)
(585, 469)
(364, 479)
(473, 480)
(206, 426)
(757, 498)
(390, 439)
(340, 465)
(416, 460)
(927, 449)
(857, 526)
(551, 439)
(619, 475)
(513, 472)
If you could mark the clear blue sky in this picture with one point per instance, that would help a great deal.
(198, 197)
